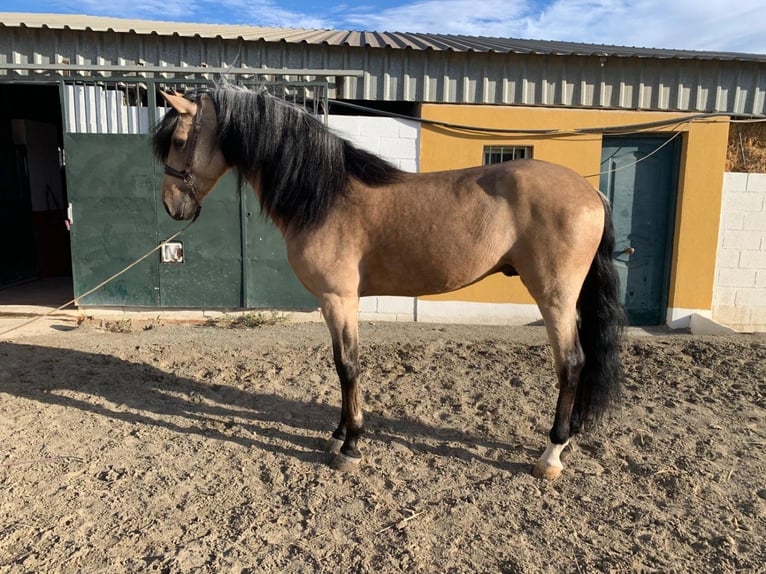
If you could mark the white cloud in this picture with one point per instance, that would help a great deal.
(248, 12)
(719, 25)
(476, 18)
(716, 25)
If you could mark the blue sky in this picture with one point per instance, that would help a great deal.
(717, 25)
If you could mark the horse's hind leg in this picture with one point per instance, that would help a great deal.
(340, 314)
(568, 358)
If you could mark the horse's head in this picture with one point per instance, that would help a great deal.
(186, 141)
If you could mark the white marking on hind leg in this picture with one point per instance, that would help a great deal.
(549, 465)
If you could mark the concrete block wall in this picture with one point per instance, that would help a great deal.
(739, 293)
(398, 141)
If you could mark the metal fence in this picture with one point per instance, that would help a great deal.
(120, 106)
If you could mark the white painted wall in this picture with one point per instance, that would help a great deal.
(739, 293)
(398, 141)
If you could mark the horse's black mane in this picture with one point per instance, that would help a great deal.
(303, 166)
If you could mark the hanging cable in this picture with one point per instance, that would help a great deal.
(555, 132)
(100, 285)
(631, 164)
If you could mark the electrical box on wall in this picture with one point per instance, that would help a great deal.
(173, 252)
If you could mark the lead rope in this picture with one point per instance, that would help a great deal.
(100, 285)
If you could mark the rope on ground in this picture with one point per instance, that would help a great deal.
(100, 285)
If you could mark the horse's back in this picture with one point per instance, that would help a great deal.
(437, 232)
(533, 181)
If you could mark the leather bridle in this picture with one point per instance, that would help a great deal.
(191, 143)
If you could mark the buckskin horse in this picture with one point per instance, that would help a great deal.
(354, 225)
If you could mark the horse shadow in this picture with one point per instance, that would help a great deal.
(142, 394)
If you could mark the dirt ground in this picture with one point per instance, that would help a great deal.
(181, 449)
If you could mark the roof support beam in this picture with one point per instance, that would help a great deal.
(182, 70)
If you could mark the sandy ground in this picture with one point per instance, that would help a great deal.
(200, 449)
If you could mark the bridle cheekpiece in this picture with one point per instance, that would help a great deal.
(191, 143)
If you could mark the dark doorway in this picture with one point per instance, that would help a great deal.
(34, 239)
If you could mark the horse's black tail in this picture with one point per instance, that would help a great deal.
(600, 329)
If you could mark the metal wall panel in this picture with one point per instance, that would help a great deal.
(669, 83)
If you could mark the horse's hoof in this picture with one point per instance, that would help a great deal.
(546, 472)
(333, 445)
(345, 463)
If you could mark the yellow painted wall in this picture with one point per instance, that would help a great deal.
(699, 193)
(698, 213)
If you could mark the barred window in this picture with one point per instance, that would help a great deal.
(499, 154)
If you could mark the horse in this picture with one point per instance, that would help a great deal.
(354, 225)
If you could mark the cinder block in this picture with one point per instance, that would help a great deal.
(477, 313)
(751, 297)
(756, 182)
(752, 259)
(380, 127)
(734, 181)
(724, 296)
(754, 221)
(369, 143)
(368, 304)
(396, 305)
(757, 320)
(398, 148)
(345, 126)
(733, 221)
(743, 240)
(727, 258)
(736, 278)
(742, 201)
(734, 316)
(409, 130)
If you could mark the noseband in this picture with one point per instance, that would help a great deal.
(191, 143)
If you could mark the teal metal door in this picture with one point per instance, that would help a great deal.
(111, 188)
(232, 256)
(269, 279)
(211, 273)
(639, 176)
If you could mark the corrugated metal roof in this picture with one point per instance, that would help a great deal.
(393, 40)
(386, 66)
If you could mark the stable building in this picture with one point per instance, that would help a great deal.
(79, 195)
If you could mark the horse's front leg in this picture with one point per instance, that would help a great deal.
(340, 313)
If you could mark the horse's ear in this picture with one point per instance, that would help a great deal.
(178, 103)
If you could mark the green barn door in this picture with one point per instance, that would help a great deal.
(111, 188)
(269, 279)
(232, 256)
(118, 216)
(210, 275)
(639, 177)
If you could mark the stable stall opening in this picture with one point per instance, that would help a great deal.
(34, 238)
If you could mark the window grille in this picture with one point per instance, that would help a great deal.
(499, 154)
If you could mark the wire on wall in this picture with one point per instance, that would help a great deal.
(555, 132)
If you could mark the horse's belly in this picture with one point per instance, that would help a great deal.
(407, 274)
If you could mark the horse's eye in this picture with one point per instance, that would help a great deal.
(178, 143)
